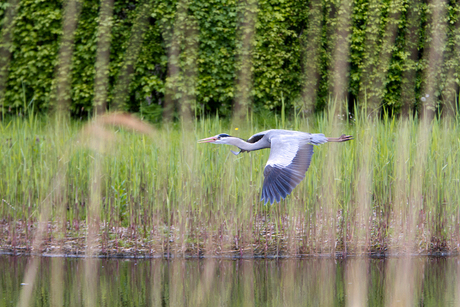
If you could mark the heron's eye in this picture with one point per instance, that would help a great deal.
(218, 137)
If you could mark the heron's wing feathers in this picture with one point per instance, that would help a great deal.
(289, 160)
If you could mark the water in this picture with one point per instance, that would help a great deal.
(420, 281)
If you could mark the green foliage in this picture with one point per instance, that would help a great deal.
(84, 58)
(389, 43)
(217, 22)
(278, 51)
(36, 41)
(166, 178)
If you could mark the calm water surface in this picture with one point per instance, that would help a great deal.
(44, 281)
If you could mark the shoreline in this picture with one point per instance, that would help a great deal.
(338, 255)
(127, 243)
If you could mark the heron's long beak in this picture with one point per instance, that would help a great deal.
(208, 140)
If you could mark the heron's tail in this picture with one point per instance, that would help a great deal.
(318, 139)
(342, 138)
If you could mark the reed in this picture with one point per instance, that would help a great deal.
(160, 193)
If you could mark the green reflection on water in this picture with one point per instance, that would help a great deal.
(307, 282)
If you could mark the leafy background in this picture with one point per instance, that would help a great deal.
(284, 32)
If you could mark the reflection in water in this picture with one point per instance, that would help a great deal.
(210, 282)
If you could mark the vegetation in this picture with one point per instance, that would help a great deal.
(162, 192)
(102, 104)
(291, 53)
(188, 66)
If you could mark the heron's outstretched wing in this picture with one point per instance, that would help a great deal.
(289, 160)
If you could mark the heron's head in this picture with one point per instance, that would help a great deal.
(218, 139)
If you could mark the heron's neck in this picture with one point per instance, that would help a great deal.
(247, 146)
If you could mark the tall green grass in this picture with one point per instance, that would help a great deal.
(162, 193)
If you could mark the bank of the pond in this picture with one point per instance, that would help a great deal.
(167, 242)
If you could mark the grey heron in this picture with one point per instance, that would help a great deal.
(290, 157)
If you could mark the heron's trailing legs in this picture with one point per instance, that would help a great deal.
(342, 138)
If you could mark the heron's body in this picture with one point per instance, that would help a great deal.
(289, 159)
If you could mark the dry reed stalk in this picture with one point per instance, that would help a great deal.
(357, 281)
(224, 278)
(136, 39)
(182, 84)
(126, 121)
(457, 284)
(190, 71)
(57, 264)
(72, 10)
(205, 287)
(178, 287)
(360, 243)
(324, 282)
(157, 273)
(100, 140)
(434, 59)
(5, 46)
(244, 75)
(404, 281)
(340, 58)
(408, 82)
(247, 271)
(337, 111)
(312, 58)
(375, 78)
(31, 271)
(101, 79)
(42, 228)
(288, 284)
(451, 88)
(57, 281)
(416, 202)
(173, 66)
(292, 247)
(93, 211)
(90, 282)
(328, 203)
(401, 210)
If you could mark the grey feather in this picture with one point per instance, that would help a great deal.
(289, 160)
(290, 157)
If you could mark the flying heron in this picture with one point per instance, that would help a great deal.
(289, 159)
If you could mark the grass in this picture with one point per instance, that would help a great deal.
(160, 193)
